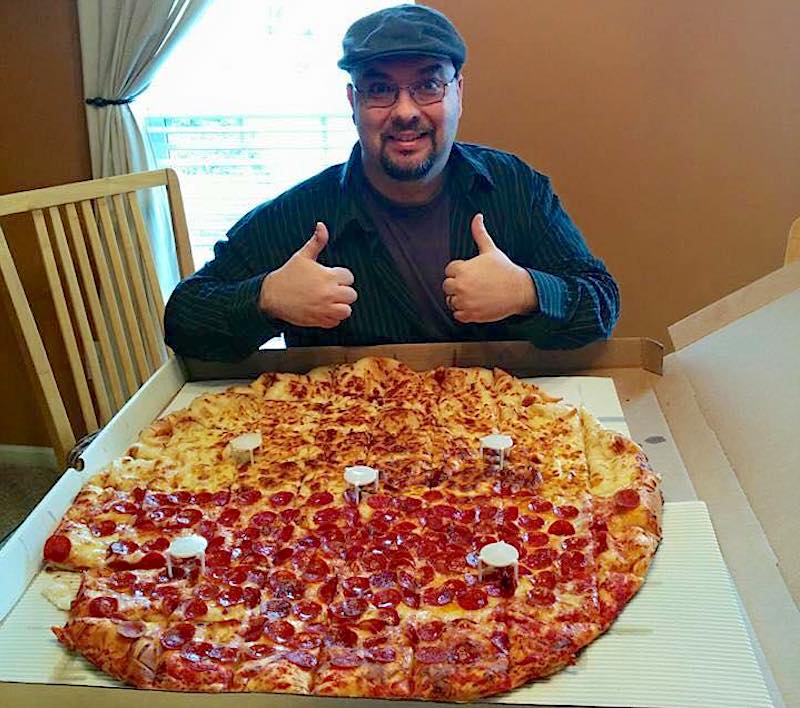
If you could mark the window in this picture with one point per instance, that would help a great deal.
(250, 103)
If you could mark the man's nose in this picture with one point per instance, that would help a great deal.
(405, 108)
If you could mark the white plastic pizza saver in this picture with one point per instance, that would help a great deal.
(498, 443)
(243, 447)
(360, 476)
(184, 547)
(498, 555)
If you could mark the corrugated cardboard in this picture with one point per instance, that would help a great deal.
(673, 417)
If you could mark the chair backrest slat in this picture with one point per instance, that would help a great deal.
(81, 318)
(143, 241)
(123, 284)
(109, 296)
(55, 413)
(67, 331)
(109, 361)
(152, 330)
(182, 245)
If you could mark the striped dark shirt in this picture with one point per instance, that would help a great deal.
(214, 314)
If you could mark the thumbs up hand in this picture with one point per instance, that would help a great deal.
(306, 293)
(488, 287)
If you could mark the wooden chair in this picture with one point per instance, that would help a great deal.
(111, 316)
(793, 244)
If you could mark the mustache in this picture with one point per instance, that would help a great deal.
(399, 126)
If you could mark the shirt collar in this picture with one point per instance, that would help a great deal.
(468, 170)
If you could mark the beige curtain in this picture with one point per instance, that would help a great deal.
(123, 43)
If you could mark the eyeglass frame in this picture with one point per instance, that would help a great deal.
(411, 91)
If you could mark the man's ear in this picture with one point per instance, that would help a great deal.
(460, 84)
(351, 97)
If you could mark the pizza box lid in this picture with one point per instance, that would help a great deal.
(730, 393)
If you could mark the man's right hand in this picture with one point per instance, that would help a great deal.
(306, 293)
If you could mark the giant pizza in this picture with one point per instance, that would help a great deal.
(357, 532)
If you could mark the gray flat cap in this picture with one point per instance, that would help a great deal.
(401, 30)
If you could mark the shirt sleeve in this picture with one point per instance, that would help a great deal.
(214, 314)
(578, 298)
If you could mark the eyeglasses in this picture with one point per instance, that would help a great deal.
(382, 94)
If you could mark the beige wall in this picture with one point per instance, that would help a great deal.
(670, 129)
(42, 142)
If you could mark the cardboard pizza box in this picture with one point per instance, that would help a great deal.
(716, 417)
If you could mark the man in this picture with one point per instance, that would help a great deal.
(416, 238)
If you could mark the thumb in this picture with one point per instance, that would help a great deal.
(316, 244)
(480, 235)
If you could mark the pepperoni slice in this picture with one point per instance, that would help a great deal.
(410, 504)
(203, 498)
(221, 498)
(431, 655)
(387, 598)
(186, 518)
(545, 579)
(229, 516)
(125, 507)
(437, 596)
(224, 655)
(248, 496)
(538, 538)
(472, 599)
(327, 590)
(542, 557)
(103, 606)
(381, 655)
(566, 512)
(150, 561)
(277, 609)
(531, 523)
(378, 501)
(320, 498)
(290, 515)
(329, 515)
(541, 597)
(573, 564)
(307, 640)
(466, 652)
(316, 569)
(411, 598)
(349, 609)
(372, 625)
(384, 579)
(132, 629)
(177, 635)
(282, 556)
(157, 544)
(561, 527)
(236, 576)
(344, 636)
(425, 575)
(540, 505)
(627, 499)
(230, 596)
(263, 518)
(123, 547)
(258, 651)
(195, 608)
(307, 610)
(432, 495)
(355, 586)
(346, 659)
(121, 581)
(57, 548)
(281, 498)
(279, 631)
(104, 528)
(285, 533)
(301, 658)
(196, 652)
(252, 597)
(430, 631)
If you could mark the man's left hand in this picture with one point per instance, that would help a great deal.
(488, 287)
